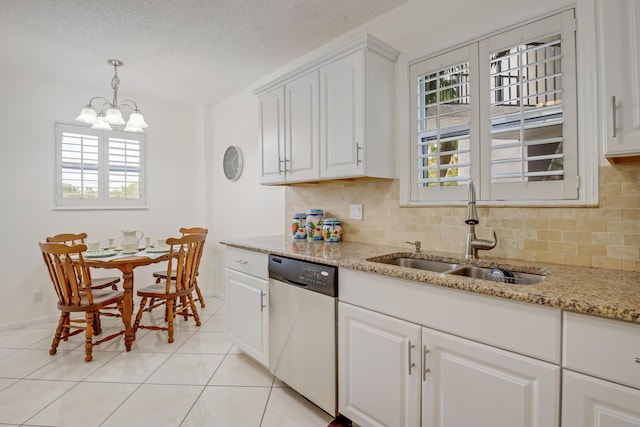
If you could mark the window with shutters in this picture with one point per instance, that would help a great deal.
(500, 111)
(98, 169)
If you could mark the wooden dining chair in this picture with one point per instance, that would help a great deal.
(160, 275)
(177, 292)
(75, 239)
(77, 296)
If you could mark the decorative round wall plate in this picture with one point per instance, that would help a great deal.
(232, 162)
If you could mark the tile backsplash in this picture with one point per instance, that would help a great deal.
(607, 236)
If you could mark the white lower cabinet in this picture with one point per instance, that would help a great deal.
(378, 368)
(470, 384)
(592, 402)
(248, 302)
(397, 373)
(601, 378)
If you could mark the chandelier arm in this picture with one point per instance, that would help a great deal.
(90, 104)
(126, 103)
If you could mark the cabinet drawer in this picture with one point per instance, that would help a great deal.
(605, 348)
(249, 262)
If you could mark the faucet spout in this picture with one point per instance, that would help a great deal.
(473, 244)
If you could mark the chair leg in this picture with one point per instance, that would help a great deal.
(58, 334)
(136, 324)
(199, 295)
(170, 316)
(88, 333)
(194, 310)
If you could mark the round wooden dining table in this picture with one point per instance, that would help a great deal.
(126, 264)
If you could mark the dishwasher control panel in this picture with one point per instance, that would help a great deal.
(315, 277)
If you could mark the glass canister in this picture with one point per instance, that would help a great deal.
(314, 224)
(332, 230)
(299, 225)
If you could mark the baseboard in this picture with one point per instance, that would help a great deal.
(28, 323)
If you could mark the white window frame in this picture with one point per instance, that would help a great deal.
(103, 201)
(586, 180)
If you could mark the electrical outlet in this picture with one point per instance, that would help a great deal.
(355, 211)
(37, 297)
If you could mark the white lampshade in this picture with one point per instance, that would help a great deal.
(114, 117)
(87, 115)
(101, 124)
(137, 120)
(133, 128)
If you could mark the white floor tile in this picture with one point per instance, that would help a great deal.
(228, 406)
(288, 408)
(239, 370)
(71, 366)
(155, 406)
(25, 362)
(187, 369)
(131, 367)
(206, 342)
(6, 382)
(24, 337)
(24, 399)
(4, 352)
(216, 323)
(101, 398)
(157, 341)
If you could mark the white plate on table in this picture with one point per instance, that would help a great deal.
(99, 254)
(158, 250)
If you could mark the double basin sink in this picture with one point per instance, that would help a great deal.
(495, 274)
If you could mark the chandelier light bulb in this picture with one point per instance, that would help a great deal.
(137, 120)
(87, 115)
(113, 116)
(101, 124)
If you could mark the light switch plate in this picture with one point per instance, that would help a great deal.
(355, 211)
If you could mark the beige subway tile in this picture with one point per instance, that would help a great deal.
(579, 260)
(537, 224)
(607, 262)
(576, 236)
(563, 247)
(563, 224)
(591, 225)
(631, 240)
(550, 235)
(626, 227)
(631, 214)
(623, 202)
(604, 238)
(592, 250)
(623, 252)
(576, 213)
(631, 265)
(607, 213)
(536, 245)
(546, 257)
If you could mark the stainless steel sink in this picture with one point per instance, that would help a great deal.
(421, 264)
(497, 275)
(485, 273)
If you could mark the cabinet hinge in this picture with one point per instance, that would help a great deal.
(578, 182)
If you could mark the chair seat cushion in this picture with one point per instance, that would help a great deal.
(101, 295)
(100, 282)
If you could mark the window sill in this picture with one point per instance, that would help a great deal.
(99, 208)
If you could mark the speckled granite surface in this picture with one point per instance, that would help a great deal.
(607, 293)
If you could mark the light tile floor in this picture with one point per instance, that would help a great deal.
(199, 380)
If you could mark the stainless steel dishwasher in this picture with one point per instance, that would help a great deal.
(302, 328)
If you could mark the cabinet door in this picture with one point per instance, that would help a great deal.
(471, 384)
(342, 124)
(620, 67)
(271, 114)
(591, 402)
(378, 368)
(248, 314)
(302, 133)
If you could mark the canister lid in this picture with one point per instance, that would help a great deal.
(299, 215)
(316, 212)
(331, 221)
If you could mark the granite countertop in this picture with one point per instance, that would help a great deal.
(607, 293)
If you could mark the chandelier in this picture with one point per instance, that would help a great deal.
(103, 120)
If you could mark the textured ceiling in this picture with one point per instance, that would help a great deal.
(191, 51)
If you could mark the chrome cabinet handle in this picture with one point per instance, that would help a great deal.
(614, 121)
(358, 148)
(409, 348)
(241, 261)
(280, 162)
(262, 306)
(426, 370)
(285, 165)
(637, 359)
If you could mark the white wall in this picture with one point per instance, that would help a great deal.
(28, 111)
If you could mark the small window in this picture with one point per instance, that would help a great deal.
(99, 168)
(501, 111)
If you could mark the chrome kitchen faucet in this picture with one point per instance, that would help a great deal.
(474, 244)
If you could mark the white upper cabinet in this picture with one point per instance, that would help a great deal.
(619, 42)
(331, 118)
